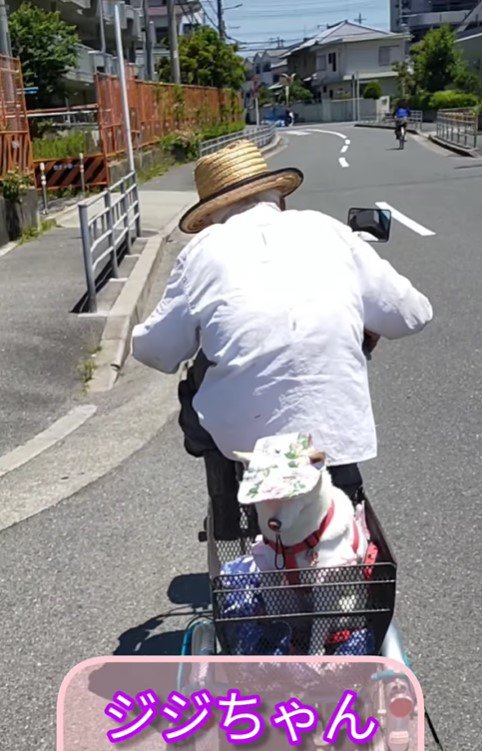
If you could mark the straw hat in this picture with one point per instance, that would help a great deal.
(238, 171)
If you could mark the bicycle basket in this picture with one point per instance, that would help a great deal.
(339, 610)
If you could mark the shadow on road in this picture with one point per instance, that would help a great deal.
(190, 593)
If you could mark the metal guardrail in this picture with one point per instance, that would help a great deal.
(108, 221)
(457, 127)
(415, 121)
(261, 136)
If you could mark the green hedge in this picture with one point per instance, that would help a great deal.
(60, 148)
(452, 100)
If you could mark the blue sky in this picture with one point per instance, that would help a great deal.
(262, 20)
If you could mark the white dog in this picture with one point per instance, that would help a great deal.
(305, 521)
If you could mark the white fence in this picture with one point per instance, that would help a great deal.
(261, 136)
(458, 127)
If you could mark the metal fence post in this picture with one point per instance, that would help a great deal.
(88, 266)
(110, 225)
(125, 211)
(82, 172)
(137, 208)
(43, 183)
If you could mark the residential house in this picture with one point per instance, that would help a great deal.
(265, 70)
(469, 39)
(268, 66)
(419, 16)
(330, 61)
(85, 16)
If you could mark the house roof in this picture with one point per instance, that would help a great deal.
(345, 31)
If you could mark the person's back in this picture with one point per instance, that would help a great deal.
(402, 113)
(278, 300)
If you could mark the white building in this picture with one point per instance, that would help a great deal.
(469, 39)
(330, 61)
(268, 66)
(189, 16)
(419, 16)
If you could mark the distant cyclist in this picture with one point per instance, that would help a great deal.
(401, 116)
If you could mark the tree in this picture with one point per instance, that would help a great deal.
(373, 90)
(206, 60)
(406, 82)
(438, 63)
(46, 46)
(296, 91)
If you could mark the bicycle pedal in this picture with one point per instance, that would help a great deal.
(202, 536)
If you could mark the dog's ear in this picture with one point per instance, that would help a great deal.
(318, 457)
(243, 457)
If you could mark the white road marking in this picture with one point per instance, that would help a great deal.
(405, 220)
(346, 141)
(46, 439)
(328, 132)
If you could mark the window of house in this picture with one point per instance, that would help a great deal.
(161, 35)
(266, 67)
(276, 79)
(332, 61)
(321, 62)
(387, 55)
(258, 70)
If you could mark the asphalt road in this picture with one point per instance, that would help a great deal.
(91, 575)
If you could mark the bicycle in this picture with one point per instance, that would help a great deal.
(402, 135)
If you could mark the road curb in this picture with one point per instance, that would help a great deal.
(472, 153)
(128, 310)
(278, 141)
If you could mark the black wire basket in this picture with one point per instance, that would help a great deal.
(331, 611)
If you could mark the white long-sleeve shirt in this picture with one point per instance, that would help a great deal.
(278, 301)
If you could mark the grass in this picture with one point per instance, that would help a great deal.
(144, 175)
(87, 366)
(86, 371)
(31, 233)
(60, 148)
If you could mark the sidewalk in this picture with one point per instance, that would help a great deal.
(43, 346)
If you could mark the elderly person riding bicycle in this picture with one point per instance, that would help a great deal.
(277, 304)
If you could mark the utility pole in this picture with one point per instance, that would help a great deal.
(148, 61)
(103, 46)
(221, 26)
(5, 48)
(173, 47)
(123, 86)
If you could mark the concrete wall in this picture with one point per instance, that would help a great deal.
(144, 160)
(328, 111)
(16, 217)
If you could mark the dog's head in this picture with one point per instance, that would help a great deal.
(284, 492)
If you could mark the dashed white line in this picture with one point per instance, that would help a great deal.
(344, 149)
(405, 220)
(343, 162)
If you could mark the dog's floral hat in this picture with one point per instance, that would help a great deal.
(280, 467)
